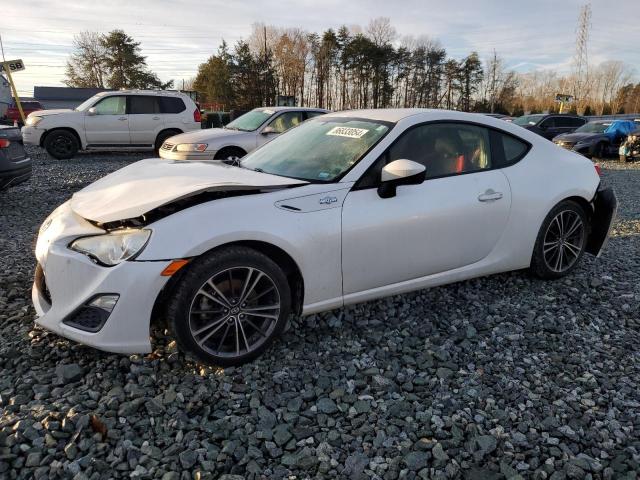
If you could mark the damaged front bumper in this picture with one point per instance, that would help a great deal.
(605, 208)
(68, 283)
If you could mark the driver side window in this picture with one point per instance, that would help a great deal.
(444, 149)
(286, 121)
(112, 106)
(548, 123)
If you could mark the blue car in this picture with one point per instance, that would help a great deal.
(597, 139)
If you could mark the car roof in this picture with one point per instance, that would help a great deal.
(163, 93)
(281, 109)
(387, 114)
(397, 114)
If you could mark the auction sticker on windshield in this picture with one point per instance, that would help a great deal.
(349, 132)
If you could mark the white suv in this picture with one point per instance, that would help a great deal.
(125, 119)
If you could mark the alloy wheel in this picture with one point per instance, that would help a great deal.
(564, 241)
(234, 312)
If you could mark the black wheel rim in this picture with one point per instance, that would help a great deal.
(234, 312)
(62, 145)
(563, 241)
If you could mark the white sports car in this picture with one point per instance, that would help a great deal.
(346, 207)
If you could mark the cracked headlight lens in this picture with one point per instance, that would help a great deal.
(112, 248)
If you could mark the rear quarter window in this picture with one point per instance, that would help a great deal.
(171, 105)
(507, 149)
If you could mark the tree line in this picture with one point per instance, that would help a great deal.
(354, 67)
(113, 61)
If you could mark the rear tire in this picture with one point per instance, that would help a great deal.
(230, 154)
(561, 241)
(229, 306)
(598, 151)
(61, 144)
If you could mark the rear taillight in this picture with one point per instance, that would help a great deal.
(197, 117)
(4, 143)
(598, 170)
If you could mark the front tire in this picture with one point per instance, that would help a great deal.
(561, 241)
(230, 155)
(229, 306)
(61, 144)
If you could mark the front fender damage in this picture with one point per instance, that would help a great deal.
(183, 203)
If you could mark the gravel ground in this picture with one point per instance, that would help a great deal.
(501, 377)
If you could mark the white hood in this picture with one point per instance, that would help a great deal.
(207, 135)
(142, 186)
(46, 113)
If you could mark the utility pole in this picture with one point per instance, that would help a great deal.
(581, 59)
(7, 70)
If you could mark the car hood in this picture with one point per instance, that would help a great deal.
(207, 135)
(47, 113)
(148, 184)
(578, 137)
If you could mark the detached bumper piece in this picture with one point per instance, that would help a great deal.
(605, 208)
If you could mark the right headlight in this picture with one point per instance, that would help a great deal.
(112, 248)
(33, 121)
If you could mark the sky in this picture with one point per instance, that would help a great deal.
(177, 35)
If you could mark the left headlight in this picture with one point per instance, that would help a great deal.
(33, 121)
(112, 248)
(191, 147)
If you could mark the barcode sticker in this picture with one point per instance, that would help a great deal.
(348, 132)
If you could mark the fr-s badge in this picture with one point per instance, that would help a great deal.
(328, 200)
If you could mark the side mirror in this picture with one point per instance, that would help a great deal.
(267, 130)
(92, 111)
(400, 172)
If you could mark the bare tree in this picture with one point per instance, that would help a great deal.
(614, 75)
(380, 31)
(86, 66)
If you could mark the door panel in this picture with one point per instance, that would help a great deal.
(145, 119)
(110, 124)
(440, 225)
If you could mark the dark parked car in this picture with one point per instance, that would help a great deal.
(630, 149)
(550, 125)
(15, 165)
(596, 139)
(13, 114)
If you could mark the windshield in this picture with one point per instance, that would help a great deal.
(317, 150)
(87, 103)
(528, 120)
(593, 127)
(250, 120)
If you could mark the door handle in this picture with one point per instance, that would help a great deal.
(156, 118)
(490, 196)
(122, 119)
